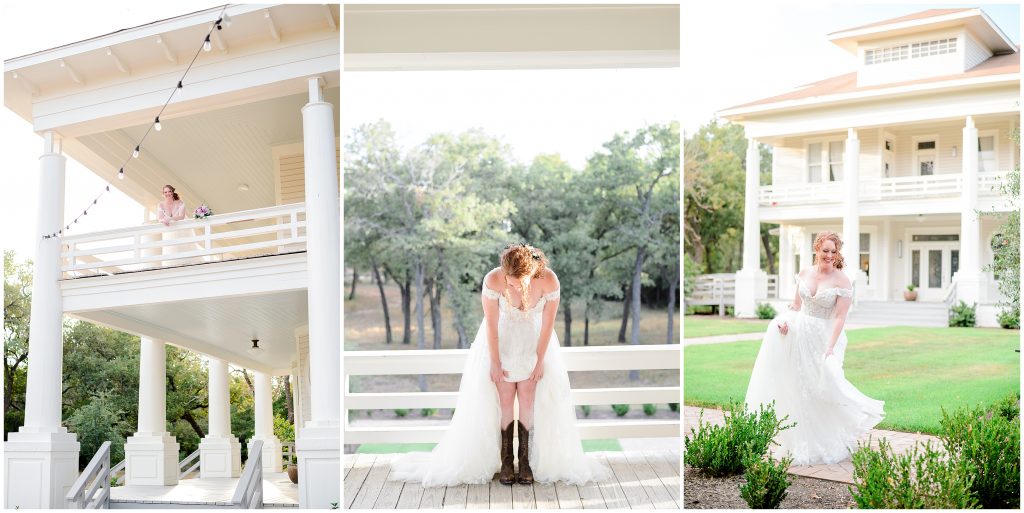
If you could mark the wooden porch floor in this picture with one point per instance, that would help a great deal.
(640, 480)
(278, 492)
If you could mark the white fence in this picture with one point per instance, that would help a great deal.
(451, 361)
(219, 237)
(903, 187)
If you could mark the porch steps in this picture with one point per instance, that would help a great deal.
(899, 313)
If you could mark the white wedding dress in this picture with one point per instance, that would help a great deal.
(830, 413)
(469, 450)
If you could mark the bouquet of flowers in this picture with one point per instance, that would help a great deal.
(202, 212)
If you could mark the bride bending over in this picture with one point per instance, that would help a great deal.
(800, 366)
(515, 354)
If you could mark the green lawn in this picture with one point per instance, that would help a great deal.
(588, 446)
(916, 371)
(695, 326)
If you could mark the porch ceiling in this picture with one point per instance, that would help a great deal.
(220, 327)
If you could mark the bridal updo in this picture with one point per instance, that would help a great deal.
(521, 261)
(839, 262)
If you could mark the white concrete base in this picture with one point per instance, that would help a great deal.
(750, 285)
(39, 469)
(220, 456)
(151, 459)
(272, 458)
(319, 453)
(968, 288)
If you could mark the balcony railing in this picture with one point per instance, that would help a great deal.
(884, 189)
(271, 230)
(451, 361)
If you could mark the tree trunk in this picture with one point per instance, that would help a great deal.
(355, 279)
(670, 339)
(627, 299)
(460, 328)
(567, 316)
(407, 309)
(248, 381)
(421, 334)
(641, 254)
(288, 398)
(383, 302)
(766, 241)
(586, 325)
(435, 310)
(187, 417)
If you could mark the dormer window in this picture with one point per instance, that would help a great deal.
(910, 51)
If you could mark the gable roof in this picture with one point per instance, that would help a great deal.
(980, 25)
(930, 13)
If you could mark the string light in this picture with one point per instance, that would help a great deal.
(179, 88)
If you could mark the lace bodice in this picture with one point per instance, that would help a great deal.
(823, 303)
(509, 311)
(178, 209)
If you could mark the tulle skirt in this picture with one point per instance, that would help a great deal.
(469, 450)
(829, 412)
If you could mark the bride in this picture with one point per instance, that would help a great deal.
(800, 366)
(515, 354)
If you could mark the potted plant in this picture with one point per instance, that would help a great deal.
(293, 469)
(911, 293)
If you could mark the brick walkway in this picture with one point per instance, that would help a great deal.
(901, 442)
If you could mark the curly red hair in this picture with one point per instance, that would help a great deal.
(521, 261)
(839, 262)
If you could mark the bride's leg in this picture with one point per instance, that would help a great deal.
(526, 390)
(506, 397)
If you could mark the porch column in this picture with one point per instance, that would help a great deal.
(41, 458)
(805, 249)
(751, 281)
(851, 218)
(264, 424)
(220, 454)
(786, 271)
(968, 279)
(151, 456)
(318, 444)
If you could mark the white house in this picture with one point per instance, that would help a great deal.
(252, 133)
(902, 156)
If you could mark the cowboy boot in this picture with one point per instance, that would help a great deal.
(507, 474)
(525, 472)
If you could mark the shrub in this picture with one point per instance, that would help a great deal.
(990, 442)
(765, 311)
(401, 412)
(921, 478)
(649, 409)
(586, 410)
(962, 316)
(1010, 319)
(427, 412)
(673, 406)
(766, 481)
(718, 451)
(620, 409)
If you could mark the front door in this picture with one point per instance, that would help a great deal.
(932, 265)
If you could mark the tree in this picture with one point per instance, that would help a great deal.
(714, 195)
(17, 305)
(1006, 248)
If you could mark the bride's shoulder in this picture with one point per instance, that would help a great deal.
(493, 279)
(842, 280)
(548, 280)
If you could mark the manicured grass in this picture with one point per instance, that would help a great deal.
(695, 326)
(588, 446)
(916, 371)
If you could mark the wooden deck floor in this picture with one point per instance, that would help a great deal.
(640, 480)
(278, 492)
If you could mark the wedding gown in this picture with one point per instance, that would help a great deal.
(469, 450)
(830, 413)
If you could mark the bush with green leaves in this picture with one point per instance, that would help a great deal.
(718, 451)
(962, 316)
(428, 412)
(920, 479)
(767, 481)
(401, 412)
(989, 440)
(649, 409)
(673, 406)
(620, 409)
(586, 410)
(1010, 319)
(765, 311)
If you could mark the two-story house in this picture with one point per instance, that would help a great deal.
(902, 156)
(251, 131)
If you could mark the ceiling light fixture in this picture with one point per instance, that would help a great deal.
(255, 349)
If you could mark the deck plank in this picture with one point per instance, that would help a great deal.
(349, 460)
(412, 493)
(668, 473)
(522, 497)
(545, 496)
(433, 498)
(356, 477)
(392, 490)
(374, 483)
(455, 496)
(590, 496)
(478, 496)
(635, 494)
(611, 491)
(501, 495)
(568, 496)
(649, 479)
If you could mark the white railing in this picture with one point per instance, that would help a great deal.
(951, 297)
(713, 290)
(773, 286)
(92, 488)
(772, 195)
(901, 187)
(287, 453)
(249, 492)
(914, 187)
(451, 361)
(183, 473)
(242, 234)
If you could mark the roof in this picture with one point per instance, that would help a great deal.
(980, 25)
(930, 13)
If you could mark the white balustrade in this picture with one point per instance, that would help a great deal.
(895, 188)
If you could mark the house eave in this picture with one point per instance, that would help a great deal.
(976, 19)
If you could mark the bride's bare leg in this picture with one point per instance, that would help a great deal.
(526, 390)
(506, 397)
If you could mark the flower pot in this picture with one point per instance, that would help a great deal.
(293, 473)
(910, 295)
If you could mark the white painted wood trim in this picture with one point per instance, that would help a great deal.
(589, 430)
(511, 60)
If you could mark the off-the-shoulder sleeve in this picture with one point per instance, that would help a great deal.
(844, 292)
(488, 293)
(551, 296)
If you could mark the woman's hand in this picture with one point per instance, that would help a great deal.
(497, 373)
(828, 353)
(167, 222)
(783, 327)
(538, 372)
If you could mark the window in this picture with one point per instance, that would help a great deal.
(835, 160)
(814, 162)
(825, 156)
(915, 272)
(925, 156)
(987, 153)
(865, 253)
(935, 268)
(911, 51)
(936, 238)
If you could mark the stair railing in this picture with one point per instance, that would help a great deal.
(188, 459)
(92, 488)
(249, 492)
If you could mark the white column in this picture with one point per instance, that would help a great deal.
(151, 455)
(805, 249)
(851, 218)
(785, 282)
(968, 281)
(41, 458)
(220, 454)
(751, 281)
(318, 445)
(264, 424)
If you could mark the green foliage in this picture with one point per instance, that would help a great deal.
(962, 316)
(921, 478)
(97, 421)
(586, 410)
(911, 287)
(401, 412)
(989, 441)
(1009, 318)
(719, 451)
(673, 406)
(765, 311)
(1006, 243)
(766, 481)
(620, 409)
(428, 412)
(283, 430)
(17, 305)
(650, 409)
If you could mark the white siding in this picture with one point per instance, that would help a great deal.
(870, 156)
(975, 53)
(911, 69)
(302, 340)
(292, 180)
(788, 164)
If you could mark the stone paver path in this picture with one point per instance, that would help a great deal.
(739, 337)
(901, 443)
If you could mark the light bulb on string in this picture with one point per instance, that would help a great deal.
(180, 90)
(135, 154)
(120, 176)
(157, 125)
(206, 44)
(225, 20)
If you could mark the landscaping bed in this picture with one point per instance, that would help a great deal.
(701, 492)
